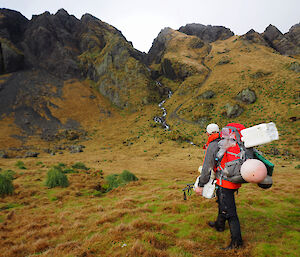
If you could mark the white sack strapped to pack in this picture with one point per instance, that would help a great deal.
(259, 134)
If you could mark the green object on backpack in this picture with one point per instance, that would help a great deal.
(269, 165)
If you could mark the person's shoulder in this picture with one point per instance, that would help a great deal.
(213, 145)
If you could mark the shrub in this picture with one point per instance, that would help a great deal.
(116, 180)
(79, 166)
(127, 176)
(20, 165)
(55, 177)
(297, 166)
(6, 186)
(113, 181)
(8, 174)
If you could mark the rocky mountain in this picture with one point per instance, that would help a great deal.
(61, 76)
(38, 56)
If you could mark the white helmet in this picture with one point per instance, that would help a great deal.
(211, 128)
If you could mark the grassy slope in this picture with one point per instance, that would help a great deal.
(150, 215)
(277, 91)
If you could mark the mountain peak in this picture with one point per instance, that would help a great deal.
(62, 12)
(207, 33)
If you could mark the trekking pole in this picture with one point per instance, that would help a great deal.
(188, 188)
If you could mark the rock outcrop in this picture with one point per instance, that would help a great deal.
(280, 42)
(207, 33)
(286, 44)
(159, 45)
(255, 37)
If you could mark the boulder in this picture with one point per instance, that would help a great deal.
(76, 148)
(232, 111)
(295, 66)
(247, 96)
(31, 154)
(224, 60)
(3, 154)
(207, 95)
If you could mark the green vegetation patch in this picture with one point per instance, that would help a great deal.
(116, 180)
(79, 166)
(20, 165)
(55, 177)
(10, 174)
(6, 186)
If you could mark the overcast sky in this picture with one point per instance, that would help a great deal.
(140, 21)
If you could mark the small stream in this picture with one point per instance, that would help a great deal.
(162, 119)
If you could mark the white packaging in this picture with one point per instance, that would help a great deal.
(259, 134)
(209, 189)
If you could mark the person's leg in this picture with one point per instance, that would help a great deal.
(228, 209)
(219, 224)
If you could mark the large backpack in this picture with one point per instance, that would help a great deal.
(232, 154)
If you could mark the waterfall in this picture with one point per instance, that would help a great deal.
(162, 119)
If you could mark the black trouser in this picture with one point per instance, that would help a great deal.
(227, 211)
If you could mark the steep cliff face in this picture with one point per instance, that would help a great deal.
(37, 56)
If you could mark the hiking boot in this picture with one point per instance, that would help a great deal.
(233, 245)
(213, 224)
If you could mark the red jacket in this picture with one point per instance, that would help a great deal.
(211, 138)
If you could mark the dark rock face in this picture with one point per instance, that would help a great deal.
(207, 33)
(255, 37)
(282, 43)
(12, 25)
(286, 44)
(11, 59)
(294, 35)
(48, 49)
(167, 69)
(158, 46)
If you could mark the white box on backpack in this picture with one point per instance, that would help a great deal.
(259, 134)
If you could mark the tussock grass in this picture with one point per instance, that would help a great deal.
(55, 177)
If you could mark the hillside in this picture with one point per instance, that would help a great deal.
(75, 94)
(232, 80)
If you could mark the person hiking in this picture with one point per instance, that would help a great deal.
(225, 194)
(212, 131)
